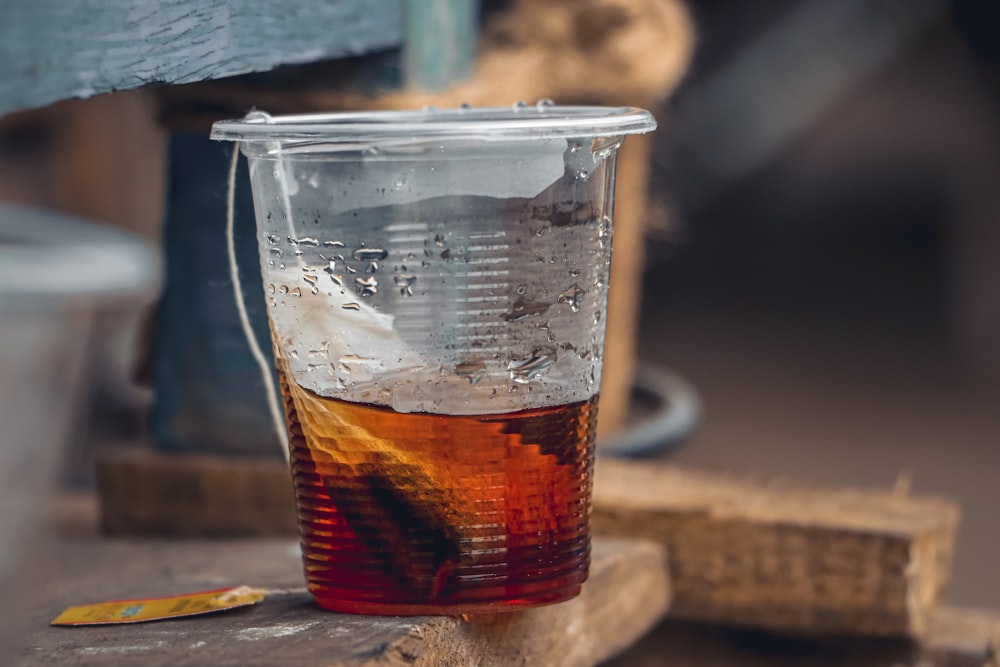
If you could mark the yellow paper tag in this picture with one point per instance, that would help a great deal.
(154, 609)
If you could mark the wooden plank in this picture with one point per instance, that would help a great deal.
(627, 593)
(628, 52)
(763, 554)
(747, 552)
(956, 638)
(146, 492)
(963, 636)
(54, 49)
(781, 556)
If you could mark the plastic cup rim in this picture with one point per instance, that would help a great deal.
(484, 123)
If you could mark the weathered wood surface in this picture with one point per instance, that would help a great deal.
(956, 638)
(761, 554)
(52, 49)
(146, 492)
(785, 557)
(627, 593)
(631, 52)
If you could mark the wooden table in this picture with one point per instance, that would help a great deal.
(628, 592)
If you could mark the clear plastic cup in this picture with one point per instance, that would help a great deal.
(436, 283)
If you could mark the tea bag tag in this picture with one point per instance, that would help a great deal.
(154, 609)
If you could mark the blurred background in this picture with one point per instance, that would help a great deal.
(830, 276)
(822, 260)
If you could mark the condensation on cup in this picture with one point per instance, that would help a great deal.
(436, 284)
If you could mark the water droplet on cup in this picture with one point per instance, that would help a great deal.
(520, 105)
(351, 306)
(258, 116)
(323, 352)
(604, 227)
(404, 282)
(524, 371)
(473, 371)
(544, 104)
(572, 297)
(370, 254)
(524, 308)
(367, 286)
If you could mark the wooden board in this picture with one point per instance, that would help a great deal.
(54, 49)
(145, 492)
(627, 593)
(762, 554)
(782, 556)
(956, 638)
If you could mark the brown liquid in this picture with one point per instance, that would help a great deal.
(437, 514)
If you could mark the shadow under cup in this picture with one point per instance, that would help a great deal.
(436, 285)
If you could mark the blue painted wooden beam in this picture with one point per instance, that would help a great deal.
(440, 42)
(57, 49)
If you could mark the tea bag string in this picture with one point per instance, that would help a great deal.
(277, 416)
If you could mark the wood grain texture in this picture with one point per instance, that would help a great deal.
(146, 492)
(781, 556)
(761, 554)
(627, 593)
(53, 50)
(956, 638)
(614, 52)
